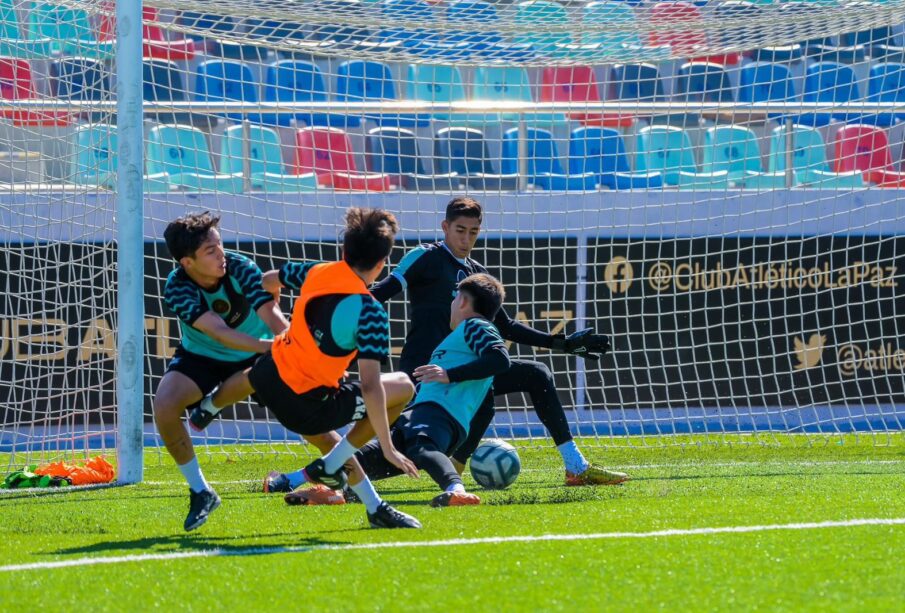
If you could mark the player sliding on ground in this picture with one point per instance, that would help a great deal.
(226, 320)
(301, 380)
(453, 385)
(430, 273)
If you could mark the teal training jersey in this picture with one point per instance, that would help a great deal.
(466, 343)
(236, 299)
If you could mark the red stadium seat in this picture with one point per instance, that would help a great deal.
(866, 148)
(578, 84)
(16, 84)
(328, 152)
(686, 43)
(155, 43)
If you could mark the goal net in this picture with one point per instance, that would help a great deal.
(715, 185)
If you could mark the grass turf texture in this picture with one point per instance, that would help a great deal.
(677, 487)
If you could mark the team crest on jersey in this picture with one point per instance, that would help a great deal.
(220, 306)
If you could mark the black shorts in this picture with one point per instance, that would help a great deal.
(428, 420)
(207, 373)
(315, 412)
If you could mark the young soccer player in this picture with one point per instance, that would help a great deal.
(453, 386)
(226, 320)
(430, 273)
(301, 380)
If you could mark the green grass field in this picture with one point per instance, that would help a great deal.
(265, 555)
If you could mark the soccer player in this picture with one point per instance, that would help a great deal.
(452, 387)
(301, 380)
(226, 320)
(430, 273)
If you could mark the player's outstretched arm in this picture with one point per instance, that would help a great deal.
(211, 324)
(376, 405)
(584, 343)
(517, 332)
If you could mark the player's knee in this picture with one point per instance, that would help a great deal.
(540, 378)
(166, 410)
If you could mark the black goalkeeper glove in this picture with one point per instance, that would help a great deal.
(584, 343)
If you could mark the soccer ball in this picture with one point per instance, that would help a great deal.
(495, 464)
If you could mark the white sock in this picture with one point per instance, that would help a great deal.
(339, 455)
(191, 470)
(572, 458)
(367, 494)
(297, 478)
(456, 487)
(207, 404)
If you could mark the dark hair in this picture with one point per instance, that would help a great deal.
(463, 206)
(185, 234)
(486, 293)
(368, 237)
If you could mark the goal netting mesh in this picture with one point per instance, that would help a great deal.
(713, 184)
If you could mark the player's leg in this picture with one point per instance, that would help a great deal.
(536, 380)
(175, 393)
(476, 430)
(235, 389)
(321, 494)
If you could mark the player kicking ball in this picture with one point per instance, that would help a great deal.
(430, 273)
(453, 386)
(226, 320)
(301, 380)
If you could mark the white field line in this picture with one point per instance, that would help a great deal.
(804, 463)
(493, 540)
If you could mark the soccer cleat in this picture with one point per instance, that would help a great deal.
(350, 496)
(595, 475)
(455, 499)
(387, 517)
(314, 495)
(276, 482)
(201, 505)
(199, 419)
(316, 473)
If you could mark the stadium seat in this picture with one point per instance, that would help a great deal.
(412, 11)
(227, 81)
(328, 152)
(669, 13)
(601, 151)
(162, 82)
(465, 13)
(878, 43)
(180, 155)
(866, 149)
(94, 162)
(465, 152)
(16, 83)
(808, 160)
(765, 82)
(79, 78)
(578, 84)
(393, 151)
(543, 13)
(735, 150)
(298, 81)
(667, 149)
(544, 167)
(703, 82)
(12, 41)
(886, 84)
(357, 80)
(340, 10)
(507, 84)
(265, 160)
(829, 82)
(438, 84)
(155, 43)
(637, 82)
(69, 30)
(619, 43)
(215, 39)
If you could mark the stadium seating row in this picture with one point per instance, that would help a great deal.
(178, 157)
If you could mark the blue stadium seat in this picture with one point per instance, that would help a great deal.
(68, 29)
(639, 82)
(886, 84)
(465, 152)
(601, 151)
(439, 84)
(765, 82)
(734, 149)
(228, 81)
(265, 160)
(162, 82)
(357, 80)
(879, 43)
(543, 13)
(507, 84)
(340, 10)
(181, 156)
(619, 43)
(79, 78)
(394, 151)
(12, 41)
(461, 15)
(544, 168)
(809, 160)
(667, 149)
(829, 82)
(703, 82)
(413, 11)
(95, 159)
(298, 81)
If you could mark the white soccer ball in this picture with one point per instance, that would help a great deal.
(495, 464)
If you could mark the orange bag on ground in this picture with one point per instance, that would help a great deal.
(95, 470)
